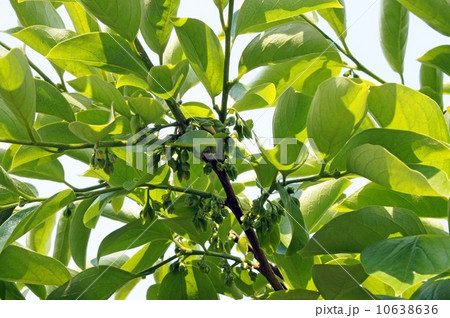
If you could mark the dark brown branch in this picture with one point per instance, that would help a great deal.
(232, 202)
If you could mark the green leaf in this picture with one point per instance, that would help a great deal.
(394, 25)
(97, 283)
(124, 17)
(434, 12)
(132, 235)
(81, 19)
(8, 226)
(184, 226)
(61, 250)
(194, 138)
(93, 213)
(336, 19)
(337, 110)
(37, 13)
(9, 291)
(432, 83)
(341, 282)
(283, 43)
(317, 199)
(9, 125)
(156, 25)
(434, 289)
(50, 101)
(204, 52)
(196, 109)
(221, 4)
(92, 133)
(352, 232)
(380, 166)
(123, 292)
(149, 109)
(165, 81)
(38, 239)
(300, 235)
(103, 50)
(50, 171)
(303, 74)
(438, 57)
(146, 256)
(104, 92)
(13, 185)
(259, 96)
(294, 294)
(254, 15)
(396, 106)
(287, 156)
(404, 262)
(46, 210)
(21, 265)
(17, 87)
(409, 147)
(42, 38)
(296, 270)
(192, 285)
(373, 194)
(79, 234)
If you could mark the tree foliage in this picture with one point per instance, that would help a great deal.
(122, 116)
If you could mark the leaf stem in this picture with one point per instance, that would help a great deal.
(346, 51)
(322, 175)
(226, 70)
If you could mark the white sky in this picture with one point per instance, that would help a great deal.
(362, 39)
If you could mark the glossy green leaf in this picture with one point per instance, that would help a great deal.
(42, 38)
(337, 110)
(146, 256)
(50, 101)
(149, 109)
(9, 125)
(82, 21)
(105, 51)
(336, 18)
(61, 250)
(394, 25)
(404, 262)
(195, 109)
(194, 138)
(341, 282)
(410, 147)
(17, 87)
(204, 52)
(132, 235)
(38, 239)
(37, 13)
(47, 209)
(14, 185)
(303, 74)
(92, 133)
(156, 25)
(289, 119)
(283, 43)
(287, 155)
(380, 166)
(124, 17)
(79, 234)
(104, 92)
(253, 16)
(317, 199)
(259, 96)
(352, 232)
(192, 285)
(123, 292)
(293, 294)
(299, 232)
(438, 57)
(21, 265)
(296, 269)
(434, 289)
(434, 12)
(93, 213)
(165, 81)
(8, 226)
(374, 194)
(94, 283)
(184, 226)
(396, 106)
(432, 83)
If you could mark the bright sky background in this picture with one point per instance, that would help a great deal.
(362, 39)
